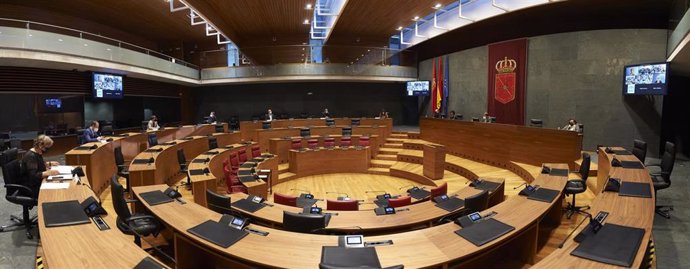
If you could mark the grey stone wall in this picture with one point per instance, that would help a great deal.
(573, 75)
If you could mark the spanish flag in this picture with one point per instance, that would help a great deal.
(438, 90)
(434, 97)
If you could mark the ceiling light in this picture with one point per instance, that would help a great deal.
(437, 6)
(308, 6)
(416, 18)
(108, 49)
(60, 39)
(86, 45)
(399, 28)
(306, 21)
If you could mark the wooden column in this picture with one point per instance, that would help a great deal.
(434, 161)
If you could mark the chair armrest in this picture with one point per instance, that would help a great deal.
(25, 188)
(129, 201)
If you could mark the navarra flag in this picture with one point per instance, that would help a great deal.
(434, 97)
(438, 88)
(446, 85)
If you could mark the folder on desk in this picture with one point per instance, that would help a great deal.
(248, 165)
(86, 147)
(486, 186)
(341, 257)
(544, 195)
(452, 204)
(64, 213)
(621, 152)
(211, 152)
(419, 193)
(244, 172)
(141, 161)
(155, 197)
(484, 231)
(148, 263)
(219, 234)
(200, 160)
(635, 189)
(247, 205)
(558, 172)
(613, 244)
(381, 202)
(305, 202)
(632, 165)
(247, 178)
(154, 150)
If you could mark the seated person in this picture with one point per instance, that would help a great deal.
(33, 169)
(212, 118)
(451, 115)
(326, 114)
(269, 115)
(91, 134)
(571, 126)
(486, 117)
(153, 124)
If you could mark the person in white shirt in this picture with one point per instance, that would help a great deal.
(571, 126)
(212, 118)
(153, 124)
(269, 115)
(486, 117)
(326, 114)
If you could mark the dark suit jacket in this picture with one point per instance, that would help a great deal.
(90, 135)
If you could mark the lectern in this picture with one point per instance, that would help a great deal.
(434, 161)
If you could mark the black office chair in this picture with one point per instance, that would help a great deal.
(476, 203)
(107, 130)
(131, 224)
(80, 137)
(218, 203)
(144, 125)
(640, 150)
(8, 155)
(212, 142)
(220, 128)
(152, 139)
(536, 122)
(20, 195)
(184, 167)
(575, 186)
(662, 179)
(304, 223)
(122, 168)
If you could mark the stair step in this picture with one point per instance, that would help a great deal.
(391, 151)
(393, 145)
(382, 163)
(285, 175)
(387, 157)
(404, 136)
(282, 168)
(395, 140)
(379, 171)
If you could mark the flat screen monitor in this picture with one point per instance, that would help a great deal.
(418, 88)
(53, 103)
(107, 86)
(646, 79)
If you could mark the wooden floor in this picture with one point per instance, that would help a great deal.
(356, 185)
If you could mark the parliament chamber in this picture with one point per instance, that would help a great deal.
(344, 134)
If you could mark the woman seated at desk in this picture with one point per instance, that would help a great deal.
(153, 124)
(33, 169)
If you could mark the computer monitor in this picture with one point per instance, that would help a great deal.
(303, 223)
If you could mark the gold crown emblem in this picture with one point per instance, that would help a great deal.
(506, 65)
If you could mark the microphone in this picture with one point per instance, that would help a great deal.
(150, 243)
(374, 191)
(523, 184)
(333, 192)
(405, 186)
(596, 226)
(402, 209)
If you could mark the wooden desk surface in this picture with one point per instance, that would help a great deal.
(325, 161)
(263, 136)
(295, 250)
(165, 165)
(626, 211)
(85, 246)
(247, 127)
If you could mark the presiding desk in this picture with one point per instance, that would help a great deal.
(263, 136)
(248, 127)
(281, 146)
(436, 246)
(84, 245)
(625, 211)
(321, 160)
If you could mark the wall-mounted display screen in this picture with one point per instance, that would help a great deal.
(646, 79)
(107, 86)
(418, 88)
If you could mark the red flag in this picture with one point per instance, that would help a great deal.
(434, 97)
(439, 87)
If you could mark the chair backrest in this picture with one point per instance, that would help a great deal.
(584, 167)
(668, 160)
(364, 141)
(8, 155)
(304, 132)
(234, 159)
(345, 141)
(80, 137)
(256, 151)
(217, 202)
(107, 130)
(330, 122)
(153, 139)
(640, 149)
(11, 173)
(119, 158)
(398, 202)
(347, 131)
(212, 143)
(144, 125)
(180, 157)
(220, 128)
(440, 190)
(242, 155)
(329, 142)
(475, 119)
(350, 205)
(354, 122)
(266, 125)
(284, 199)
(15, 143)
(477, 202)
(296, 144)
(313, 143)
(303, 223)
(118, 195)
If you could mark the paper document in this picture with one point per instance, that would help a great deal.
(54, 186)
(61, 176)
(63, 169)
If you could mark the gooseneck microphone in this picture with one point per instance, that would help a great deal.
(405, 187)
(375, 192)
(339, 193)
(591, 220)
(523, 184)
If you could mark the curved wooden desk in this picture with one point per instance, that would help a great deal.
(334, 160)
(84, 245)
(440, 245)
(626, 211)
(281, 145)
(165, 166)
(247, 127)
(265, 135)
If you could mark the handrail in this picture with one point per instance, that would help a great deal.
(148, 51)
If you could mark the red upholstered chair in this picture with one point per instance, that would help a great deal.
(364, 141)
(398, 202)
(345, 141)
(296, 144)
(237, 188)
(350, 205)
(226, 169)
(242, 155)
(256, 151)
(313, 143)
(440, 190)
(329, 142)
(284, 199)
(234, 161)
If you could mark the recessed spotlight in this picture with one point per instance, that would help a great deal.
(437, 6)
(30, 35)
(416, 18)
(108, 49)
(399, 28)
(60, 39)
(86, 45)
(308, 6)
(368, 50)
(306, 21)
